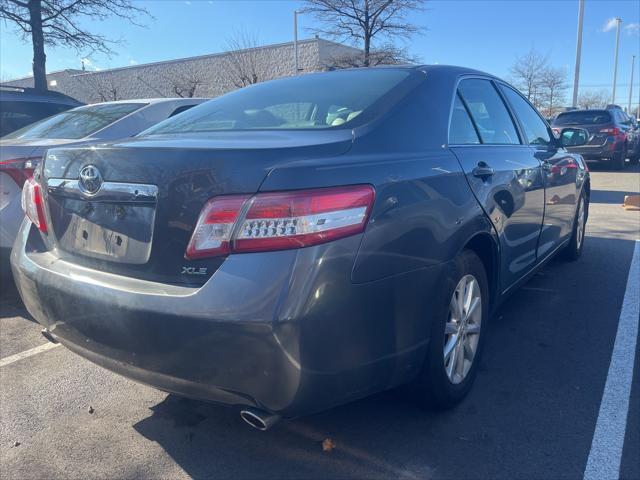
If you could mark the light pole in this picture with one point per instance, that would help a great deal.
(576, 75)
(295, 42)
(633, 66)
(615, 60)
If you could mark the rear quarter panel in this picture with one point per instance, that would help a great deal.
(424, 211)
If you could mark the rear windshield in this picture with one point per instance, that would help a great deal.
(590, 117)
(77, 123)
(16, 115)
(314, 101)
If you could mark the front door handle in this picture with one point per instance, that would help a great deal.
(482, 170)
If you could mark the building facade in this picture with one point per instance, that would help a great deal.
(202, 76)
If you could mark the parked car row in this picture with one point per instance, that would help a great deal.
(612, 134)
(22, 150)
(299, 243)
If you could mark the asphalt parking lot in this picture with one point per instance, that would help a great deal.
(532, 413)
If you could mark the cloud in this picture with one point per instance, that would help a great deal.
(610, 25)
(632, 28)
(133, 62)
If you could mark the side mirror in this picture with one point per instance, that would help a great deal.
(573, 137)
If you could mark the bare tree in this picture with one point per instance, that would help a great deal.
(527, 74)
(245, 63)
(553, 85)
(388, 54)
(103, 88)
(60, 22)
(363, 22)
(185, 83)
(594, 99)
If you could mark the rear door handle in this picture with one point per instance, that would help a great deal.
(482, 170)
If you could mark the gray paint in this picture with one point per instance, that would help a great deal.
(293, 331)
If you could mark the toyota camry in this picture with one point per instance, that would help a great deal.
(304, 242)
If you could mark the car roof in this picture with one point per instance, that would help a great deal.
(149, 101)
(33, 95)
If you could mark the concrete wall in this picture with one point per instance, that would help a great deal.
(211, 75)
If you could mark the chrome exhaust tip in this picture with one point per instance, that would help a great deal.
(259, 419)
(48, 335)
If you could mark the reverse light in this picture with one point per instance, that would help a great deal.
(19, 169)
(33, 204)
(280, 220)
(212, 235)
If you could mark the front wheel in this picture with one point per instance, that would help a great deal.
(457, 335)
(573, 251)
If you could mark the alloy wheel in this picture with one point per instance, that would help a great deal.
(462, 330)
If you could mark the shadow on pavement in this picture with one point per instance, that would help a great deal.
(609, 196)
(531, 413)
(606, 167)
(10, 302)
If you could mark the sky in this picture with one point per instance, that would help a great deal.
(485, 34)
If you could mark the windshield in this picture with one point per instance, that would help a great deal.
(589, 117)
(315, 101)
(77, 123)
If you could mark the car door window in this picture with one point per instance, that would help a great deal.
(489, 113)
(535, 129)
(461, 129)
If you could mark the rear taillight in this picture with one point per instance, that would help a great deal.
(212, 235)
(33, 204)
(19, 169)
(615, 131)
(280, 220)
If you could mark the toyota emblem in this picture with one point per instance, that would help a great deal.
(90, 179)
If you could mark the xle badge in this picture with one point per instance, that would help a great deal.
(194, 270)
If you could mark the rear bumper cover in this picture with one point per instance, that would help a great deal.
(284, 331)
(597, 152)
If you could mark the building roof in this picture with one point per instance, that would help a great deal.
(80, 73)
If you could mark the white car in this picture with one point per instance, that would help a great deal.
(20, 151)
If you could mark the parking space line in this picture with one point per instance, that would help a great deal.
(27, 353)
(608, 439)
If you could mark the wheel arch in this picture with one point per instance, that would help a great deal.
(485, 246)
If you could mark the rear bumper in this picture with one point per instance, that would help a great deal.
(597, 152)
(286, 331)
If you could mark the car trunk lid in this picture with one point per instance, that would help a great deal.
(130, 208)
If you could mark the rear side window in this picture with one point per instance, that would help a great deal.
(489, 112)
(587, 117)
(534, 127)
(77, 123)
(15, 115)
(461, 129)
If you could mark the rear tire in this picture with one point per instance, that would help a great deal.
(457, 333)
(617, 162)
(573, 251)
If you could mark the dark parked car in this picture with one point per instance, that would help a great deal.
(612, 135)
(304, 242)
(20, 107)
